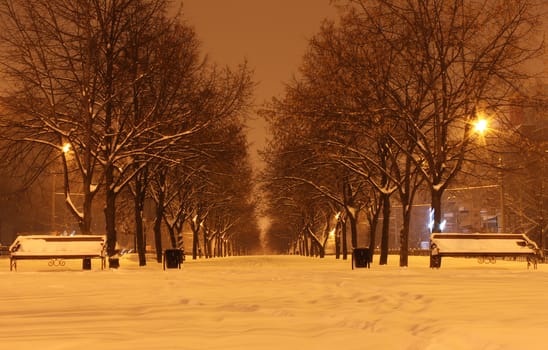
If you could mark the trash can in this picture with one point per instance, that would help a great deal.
(114, 262)
(86, 264)
(173, 258)
(360, 258)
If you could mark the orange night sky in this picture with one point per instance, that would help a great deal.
(271, 35)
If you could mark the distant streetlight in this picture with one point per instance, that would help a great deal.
(66, 148)
(480, 126)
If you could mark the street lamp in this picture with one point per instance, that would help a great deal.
(66, 148)
(480, 126)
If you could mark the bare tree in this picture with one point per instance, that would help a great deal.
(396, 87)
(458, 59)
(117, 81)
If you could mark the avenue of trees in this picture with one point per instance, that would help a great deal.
(384, 107)
(116, 96)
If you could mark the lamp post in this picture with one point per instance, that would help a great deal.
(53, 191)
(501, 222)
(338, 235)
(65, 149)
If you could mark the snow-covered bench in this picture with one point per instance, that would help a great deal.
(58, 248)
(484, 246)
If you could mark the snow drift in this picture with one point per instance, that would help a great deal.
(274, 302)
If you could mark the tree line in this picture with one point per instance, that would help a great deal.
(117, 96)
(384, 107)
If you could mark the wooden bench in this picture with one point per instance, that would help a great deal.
(58, 248)
(487, 247)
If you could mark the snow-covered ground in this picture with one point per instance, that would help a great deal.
(274, 302)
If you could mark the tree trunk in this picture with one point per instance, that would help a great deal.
(195, 241)
(175, 234)
(305, 240)
(220, 247)
(404, 236)
(139, 203)
(85, 220)
(110, 200)
(373, 233)
(85, 223)
(139, 236)
(344, 244)
(172, 237)
(383, 260)
(89, 194)
(321, 249)
(110, 219)
(207, 247)
(110, 211)
(436, 207)
(158, 231)
(180, 242)
(159, 216)
(353, 230)
(338, 240)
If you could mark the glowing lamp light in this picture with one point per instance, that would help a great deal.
(480, 126)
(66, 148)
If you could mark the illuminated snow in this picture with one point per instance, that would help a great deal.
(64, 245)
(274, 302)
(458, 243)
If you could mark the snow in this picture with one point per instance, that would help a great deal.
(274, 302)
(479, 243)
(64, 245)
(74, 208)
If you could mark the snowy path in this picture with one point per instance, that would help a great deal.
(275, 302)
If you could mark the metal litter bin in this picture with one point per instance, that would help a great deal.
(360, 258)
(173, 258)
(114, 262)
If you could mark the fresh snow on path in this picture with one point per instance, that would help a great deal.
(274, 302)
